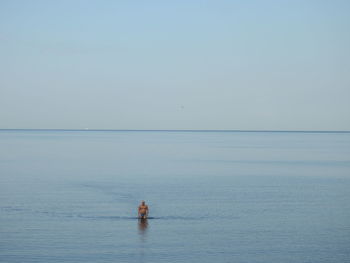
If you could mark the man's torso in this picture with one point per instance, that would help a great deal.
(143, 209)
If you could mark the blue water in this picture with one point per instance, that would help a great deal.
(72, 196)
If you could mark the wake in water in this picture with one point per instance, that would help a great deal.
(91, 217)
(136, 218)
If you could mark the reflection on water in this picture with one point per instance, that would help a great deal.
(143, 225)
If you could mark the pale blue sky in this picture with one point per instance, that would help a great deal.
(275, 65)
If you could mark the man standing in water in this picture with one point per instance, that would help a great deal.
(143, 210)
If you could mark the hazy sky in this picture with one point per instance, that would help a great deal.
(281, 65)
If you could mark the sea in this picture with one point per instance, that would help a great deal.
(213, 196)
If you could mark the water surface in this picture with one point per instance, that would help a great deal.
(72, 196)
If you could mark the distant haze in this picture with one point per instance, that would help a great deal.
(266, 65)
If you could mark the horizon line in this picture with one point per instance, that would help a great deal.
(176, 130)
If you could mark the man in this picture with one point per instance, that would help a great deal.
(143, 210)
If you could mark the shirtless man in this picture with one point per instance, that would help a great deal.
(143, 210)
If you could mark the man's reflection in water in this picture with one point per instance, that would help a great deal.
(143, 224)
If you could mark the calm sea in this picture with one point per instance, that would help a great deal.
(72, 196)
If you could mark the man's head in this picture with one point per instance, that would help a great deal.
(143, 202)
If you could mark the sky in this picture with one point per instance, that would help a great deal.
(223, 64)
